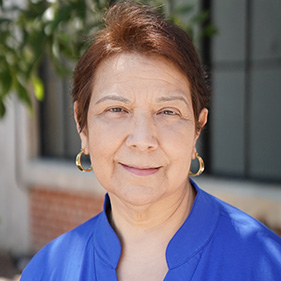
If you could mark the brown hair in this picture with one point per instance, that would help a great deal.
(132, 27)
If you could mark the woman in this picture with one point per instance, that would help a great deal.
(140, 100)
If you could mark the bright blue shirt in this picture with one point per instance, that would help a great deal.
(216, 242)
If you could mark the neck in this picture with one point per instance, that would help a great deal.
(145, 231)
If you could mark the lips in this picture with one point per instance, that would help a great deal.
(140, 171)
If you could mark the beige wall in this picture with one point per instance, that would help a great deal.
(14, 231)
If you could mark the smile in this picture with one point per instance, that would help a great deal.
(140, 171)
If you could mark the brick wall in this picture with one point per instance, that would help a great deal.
(55, 212)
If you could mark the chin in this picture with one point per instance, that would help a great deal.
(139, 195)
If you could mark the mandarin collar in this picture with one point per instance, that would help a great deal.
(106, 241)
(190, 239)
(195, 232)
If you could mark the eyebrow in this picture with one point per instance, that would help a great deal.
(164, 99)
(113, 97)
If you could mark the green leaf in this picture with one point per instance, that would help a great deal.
(34, 10)
(2, 109)
(210, 30)
(80, 8)
(61, 15)
(201, 17)
(38, 87)
(183, 9)
(5, 20)
(5, 82)
(23, 94)
(38, 51)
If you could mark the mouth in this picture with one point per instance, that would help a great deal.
(140, 171)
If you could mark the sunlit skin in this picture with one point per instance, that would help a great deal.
(141, 138)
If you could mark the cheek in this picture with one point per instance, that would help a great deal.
(179, 140)
(104, 139)
(179, 148)
(105, 128)
(181, 157)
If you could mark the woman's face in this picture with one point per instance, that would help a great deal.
(141, 130)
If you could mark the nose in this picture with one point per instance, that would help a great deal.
(142, 133)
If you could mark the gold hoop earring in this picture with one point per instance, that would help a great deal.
(201, 167)
(78, 162)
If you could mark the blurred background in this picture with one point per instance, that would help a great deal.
(43, 194)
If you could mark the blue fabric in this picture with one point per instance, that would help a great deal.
(216, 242)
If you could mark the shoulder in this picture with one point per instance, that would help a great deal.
(67, 251)
(241, 224)
(245, 243)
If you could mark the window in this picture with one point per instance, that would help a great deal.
(58, 134)
(245, 112)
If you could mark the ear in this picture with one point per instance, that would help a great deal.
(84, 133)
(203, 118)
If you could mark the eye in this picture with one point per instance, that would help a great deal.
(169, 112)
(117, 110)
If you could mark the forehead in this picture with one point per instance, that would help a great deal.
(126, 67)
(139, 78)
